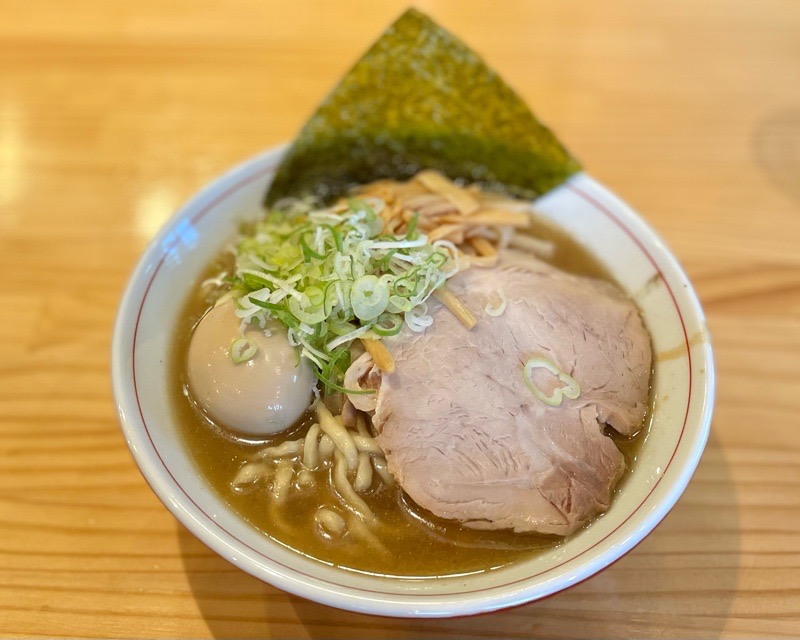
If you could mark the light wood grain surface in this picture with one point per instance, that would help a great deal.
(112, 113)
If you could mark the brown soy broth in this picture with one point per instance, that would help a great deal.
(412, 542)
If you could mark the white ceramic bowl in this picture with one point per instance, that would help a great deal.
(638, 259)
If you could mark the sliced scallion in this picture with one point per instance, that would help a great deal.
(495, 310)
(242, 350)
(571, 388)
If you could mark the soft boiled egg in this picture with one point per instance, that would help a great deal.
(259, 396)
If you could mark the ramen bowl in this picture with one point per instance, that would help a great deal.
(683, 389)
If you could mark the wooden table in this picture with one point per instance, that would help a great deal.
(112, 113)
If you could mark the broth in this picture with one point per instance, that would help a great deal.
(415, 542)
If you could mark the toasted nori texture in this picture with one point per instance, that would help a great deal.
(420, 98)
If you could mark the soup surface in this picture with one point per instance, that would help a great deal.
(407, 541)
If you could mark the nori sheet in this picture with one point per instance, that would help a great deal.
(420, 98)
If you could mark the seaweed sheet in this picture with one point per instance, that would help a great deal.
(420, 98)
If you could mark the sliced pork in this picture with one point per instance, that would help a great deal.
(464, 434)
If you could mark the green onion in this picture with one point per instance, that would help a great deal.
(571, 389)
(332, 276)
(406, 287)
(242, 350)
(389, 324)
(369, 297)
(308, 252)
(265, 305)
(310, 314)
(497, 309)
(412, 225)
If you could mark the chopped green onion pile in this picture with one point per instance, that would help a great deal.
(331, 275)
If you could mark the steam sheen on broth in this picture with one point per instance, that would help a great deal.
(405, 540)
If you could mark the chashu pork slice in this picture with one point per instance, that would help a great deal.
(466, 437)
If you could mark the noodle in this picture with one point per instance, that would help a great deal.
(248, 474)
(282, 481)
(330, 523)
(366, 444)
(382, 468)
(340, 436)
(305, 478)
(345, 490)
(363, 479)
(288, 448)
(326, 446)
(315, 451)
(310, 451)
(360, 531)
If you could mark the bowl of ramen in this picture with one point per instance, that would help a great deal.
(441, 390)
(362, 519)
